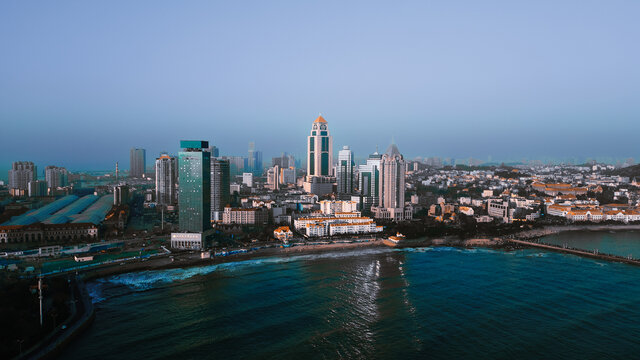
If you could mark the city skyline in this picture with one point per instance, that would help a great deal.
(446, 80)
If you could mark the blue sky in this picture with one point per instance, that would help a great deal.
(82, 82)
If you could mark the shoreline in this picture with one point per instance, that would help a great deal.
(187, 260)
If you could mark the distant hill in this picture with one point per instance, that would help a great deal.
(629, 171)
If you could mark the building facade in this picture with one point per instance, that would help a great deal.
(273, 178)
(254, 160)
(166, 180)
(247, 179)
(20, 174)
(369, 181)
(120, 195)
(344, 171)
(220, 187)
(287, 176)
(137, 162)
(391, 205)
(56, 177)
(37, 188)
(245, 216)
(319, 149)
(187, 241)
(69, 232)
(194, 195)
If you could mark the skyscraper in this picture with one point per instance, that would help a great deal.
(254, 160)
(344, 171)
(137, 162)
(56, 176)
(166, 180)
(284, 161)
(236, 165)
(369, 181)
(273, 181)
(20, 174)
(319, 149)
(220, 187)
(215, 151)
(194, 164)
(392, 186)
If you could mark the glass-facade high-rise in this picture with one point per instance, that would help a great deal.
(166, 180)
(220, 187)
(137, 162)
(253, 162)
(344, 171)
(369, 181)
(194, 199)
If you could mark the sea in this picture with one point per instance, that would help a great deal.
(376, 303)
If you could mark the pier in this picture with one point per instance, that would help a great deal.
(568, 250)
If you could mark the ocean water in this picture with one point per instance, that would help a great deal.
(622, 243)
(434, 303)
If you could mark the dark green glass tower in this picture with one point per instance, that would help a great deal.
(194, 195)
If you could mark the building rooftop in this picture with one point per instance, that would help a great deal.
(42, 213)
(67, 214)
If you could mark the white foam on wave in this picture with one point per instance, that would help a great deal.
(95, 292)
(147, 279)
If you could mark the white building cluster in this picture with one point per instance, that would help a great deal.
(337, 224)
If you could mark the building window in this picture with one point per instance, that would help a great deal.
(324, 164)
(325, 144)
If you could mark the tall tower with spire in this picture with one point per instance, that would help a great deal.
(319, 149)
(391, 204)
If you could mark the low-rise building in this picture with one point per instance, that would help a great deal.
(245, 216)
(70, 232)
(187, 241)
(340, 223)
(283, 233)
(331, 206)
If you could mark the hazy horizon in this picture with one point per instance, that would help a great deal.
(82, 83)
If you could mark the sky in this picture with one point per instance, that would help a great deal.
(82, 82)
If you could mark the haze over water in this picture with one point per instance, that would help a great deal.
(439, 303)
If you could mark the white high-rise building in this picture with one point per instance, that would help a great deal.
(21, 173)
(166, 180)
(344, 171)
(247, 179)
(56, 177)
(273, 175)
(288, 176)
(391, 204)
